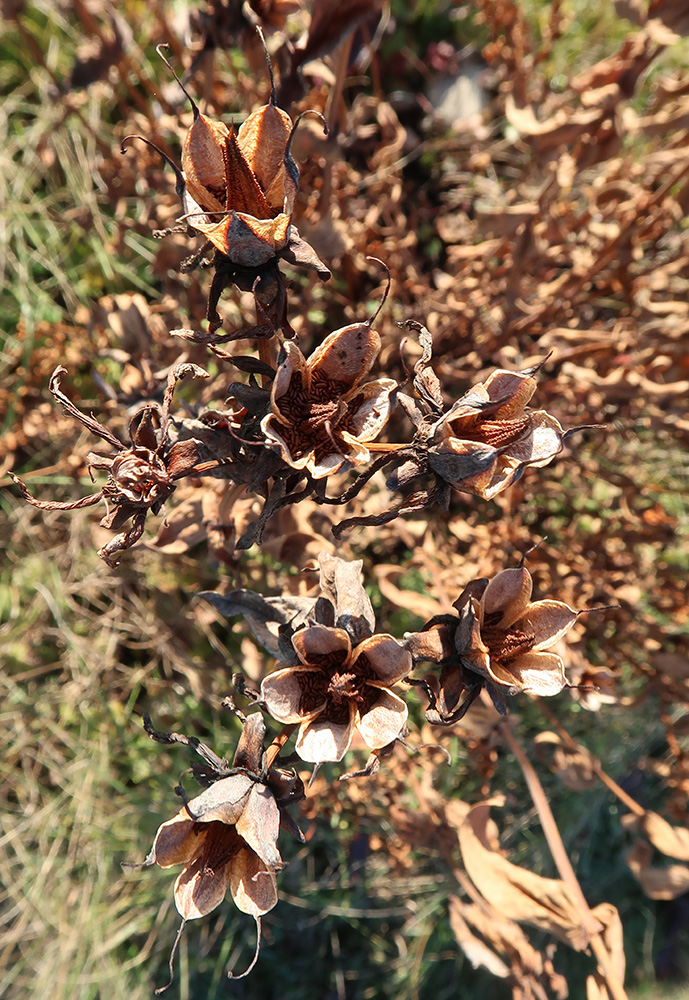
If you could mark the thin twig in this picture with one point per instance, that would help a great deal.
(626, 799)
(277, 744)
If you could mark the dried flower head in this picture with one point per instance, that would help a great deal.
(482, 445)
(509, 634)
(322, 411)
(238, 189)
(141, 477)
(499, 642)
(334, 672)
(226, 837)
(494, 417)
(338, 688)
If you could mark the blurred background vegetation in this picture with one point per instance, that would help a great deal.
(85, 651)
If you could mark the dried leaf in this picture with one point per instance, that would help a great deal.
(545, 903)
(656, 882)
(475, 950)
(341, 584)
(672, 841)
(263, 614)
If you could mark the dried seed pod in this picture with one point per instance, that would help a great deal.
(238, 189)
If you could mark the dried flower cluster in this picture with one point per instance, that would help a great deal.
(294, 430)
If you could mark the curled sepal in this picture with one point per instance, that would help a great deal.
(252, 965)
(171, 960)
(88, 501)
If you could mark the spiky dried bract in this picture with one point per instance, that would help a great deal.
(338, 688)
(494, 417)
(322, 412)
(140, 477)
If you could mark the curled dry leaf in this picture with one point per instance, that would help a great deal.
(475, 950)
(670, 840)
(574, 767)
(613, 940)
(658, 883)
(508, 951)
(541, 902)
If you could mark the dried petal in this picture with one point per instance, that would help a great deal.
(281, 693)
(317, 644)
(247, 241)
(203, 162)
(506, 595)
(345, 357)
(466, 464)
(512, 389)
(320, 740)
(253, 887)
(373, 410)
(199, 889)
(224, 801)
(384, 722)
(262, 139)
(542, 442)
(291, 377)
(386, 657)
(259, 825)
(548, 621)
(177, 841)
(539, 673)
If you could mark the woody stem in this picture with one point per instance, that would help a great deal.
(626, 799)
(278, 743)
(265, 354)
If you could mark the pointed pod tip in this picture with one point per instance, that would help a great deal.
(525, 555)
(602, 607)
(377, 260)
(534, 369)
(584, 427)
(194, 107)
(297, 120)
(259, 32)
